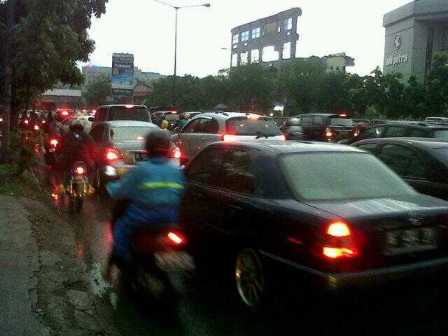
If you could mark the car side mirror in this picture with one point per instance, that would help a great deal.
(91, 119)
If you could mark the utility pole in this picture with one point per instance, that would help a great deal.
(11, 5)
(174, 100)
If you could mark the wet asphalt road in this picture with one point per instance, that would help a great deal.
(210, 306)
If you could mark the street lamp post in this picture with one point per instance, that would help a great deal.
(176, 9)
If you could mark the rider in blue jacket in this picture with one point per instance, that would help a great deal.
(153, 189)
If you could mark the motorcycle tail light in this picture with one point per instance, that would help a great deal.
(113, 154)
(54, 142)
(80, 170)
(176, 238)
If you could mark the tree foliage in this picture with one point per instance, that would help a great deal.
(50, 37)
(97, 91)
(304, 85)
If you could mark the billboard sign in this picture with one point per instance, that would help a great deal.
(123, 71)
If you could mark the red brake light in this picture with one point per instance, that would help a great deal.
(177, 153)
(26, 122)
(282, 138)
(80, 170)
(338, 252)
(129, 106)
(64, 113)
(229, 138)
(112, 155)
(339, 242)
(343, 115)
(36, 127)
(176, 238)
(338, 229)
(328, 133)
(54, 142)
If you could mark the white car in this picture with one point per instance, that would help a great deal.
(207, 128)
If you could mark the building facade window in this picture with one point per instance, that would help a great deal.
(286, 51)
(256, 33)
(244, 58)
(288, 24)
(235, 38)
(255, 56)
(270, 54)
(245, 36)
(235, 60)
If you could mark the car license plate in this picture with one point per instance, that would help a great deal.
(412, 240)
(174, 261)
(140, 156)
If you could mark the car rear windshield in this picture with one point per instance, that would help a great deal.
(441, 134)
(129, 133)
(249, 126)
(337, 121)
(341, 176)
(129, 113)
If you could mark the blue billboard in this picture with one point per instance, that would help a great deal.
(123, 71)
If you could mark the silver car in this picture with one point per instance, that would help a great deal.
(207, 128)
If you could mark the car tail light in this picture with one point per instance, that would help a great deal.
(80, 170)
(338, 229)
(339, 242)
(328, 132)
(113, 154)
(229, 138)
(64, 113)
(177, 154)
(26, 122)
(36, 127)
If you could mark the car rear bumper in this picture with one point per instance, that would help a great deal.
(374, 277)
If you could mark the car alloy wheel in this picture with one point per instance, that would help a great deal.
(250, 279)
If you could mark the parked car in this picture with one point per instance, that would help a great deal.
(323, 214)
(402, 129)
(423, 163)
(326, 127)
(121, 112)
(437, 120)
(119, 146)
(207, 128)
(292, 129)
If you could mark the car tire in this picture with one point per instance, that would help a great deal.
(251, 279)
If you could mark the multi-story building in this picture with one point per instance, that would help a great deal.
(414, 33)
(267, 40)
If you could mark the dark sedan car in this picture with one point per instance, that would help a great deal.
(331, 214)
(423, 163)
(401, 129)
(292, 129)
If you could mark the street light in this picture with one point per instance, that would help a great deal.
(176, 8)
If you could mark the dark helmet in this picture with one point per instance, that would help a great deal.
(158, 143)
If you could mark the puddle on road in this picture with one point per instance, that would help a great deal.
(100, 287)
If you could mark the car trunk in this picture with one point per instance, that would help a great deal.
(392, 232)
(132, 151)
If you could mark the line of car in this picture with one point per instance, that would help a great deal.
(275, 212)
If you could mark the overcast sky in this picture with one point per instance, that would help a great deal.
(146, 29)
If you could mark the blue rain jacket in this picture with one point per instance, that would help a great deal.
(154, 189)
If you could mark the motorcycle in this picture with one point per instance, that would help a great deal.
(52, 147)
(77, 187)
(160, 262)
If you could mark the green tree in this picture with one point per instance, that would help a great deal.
(96, 92)
(50, 37)
(251, 87)
(437, 86)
